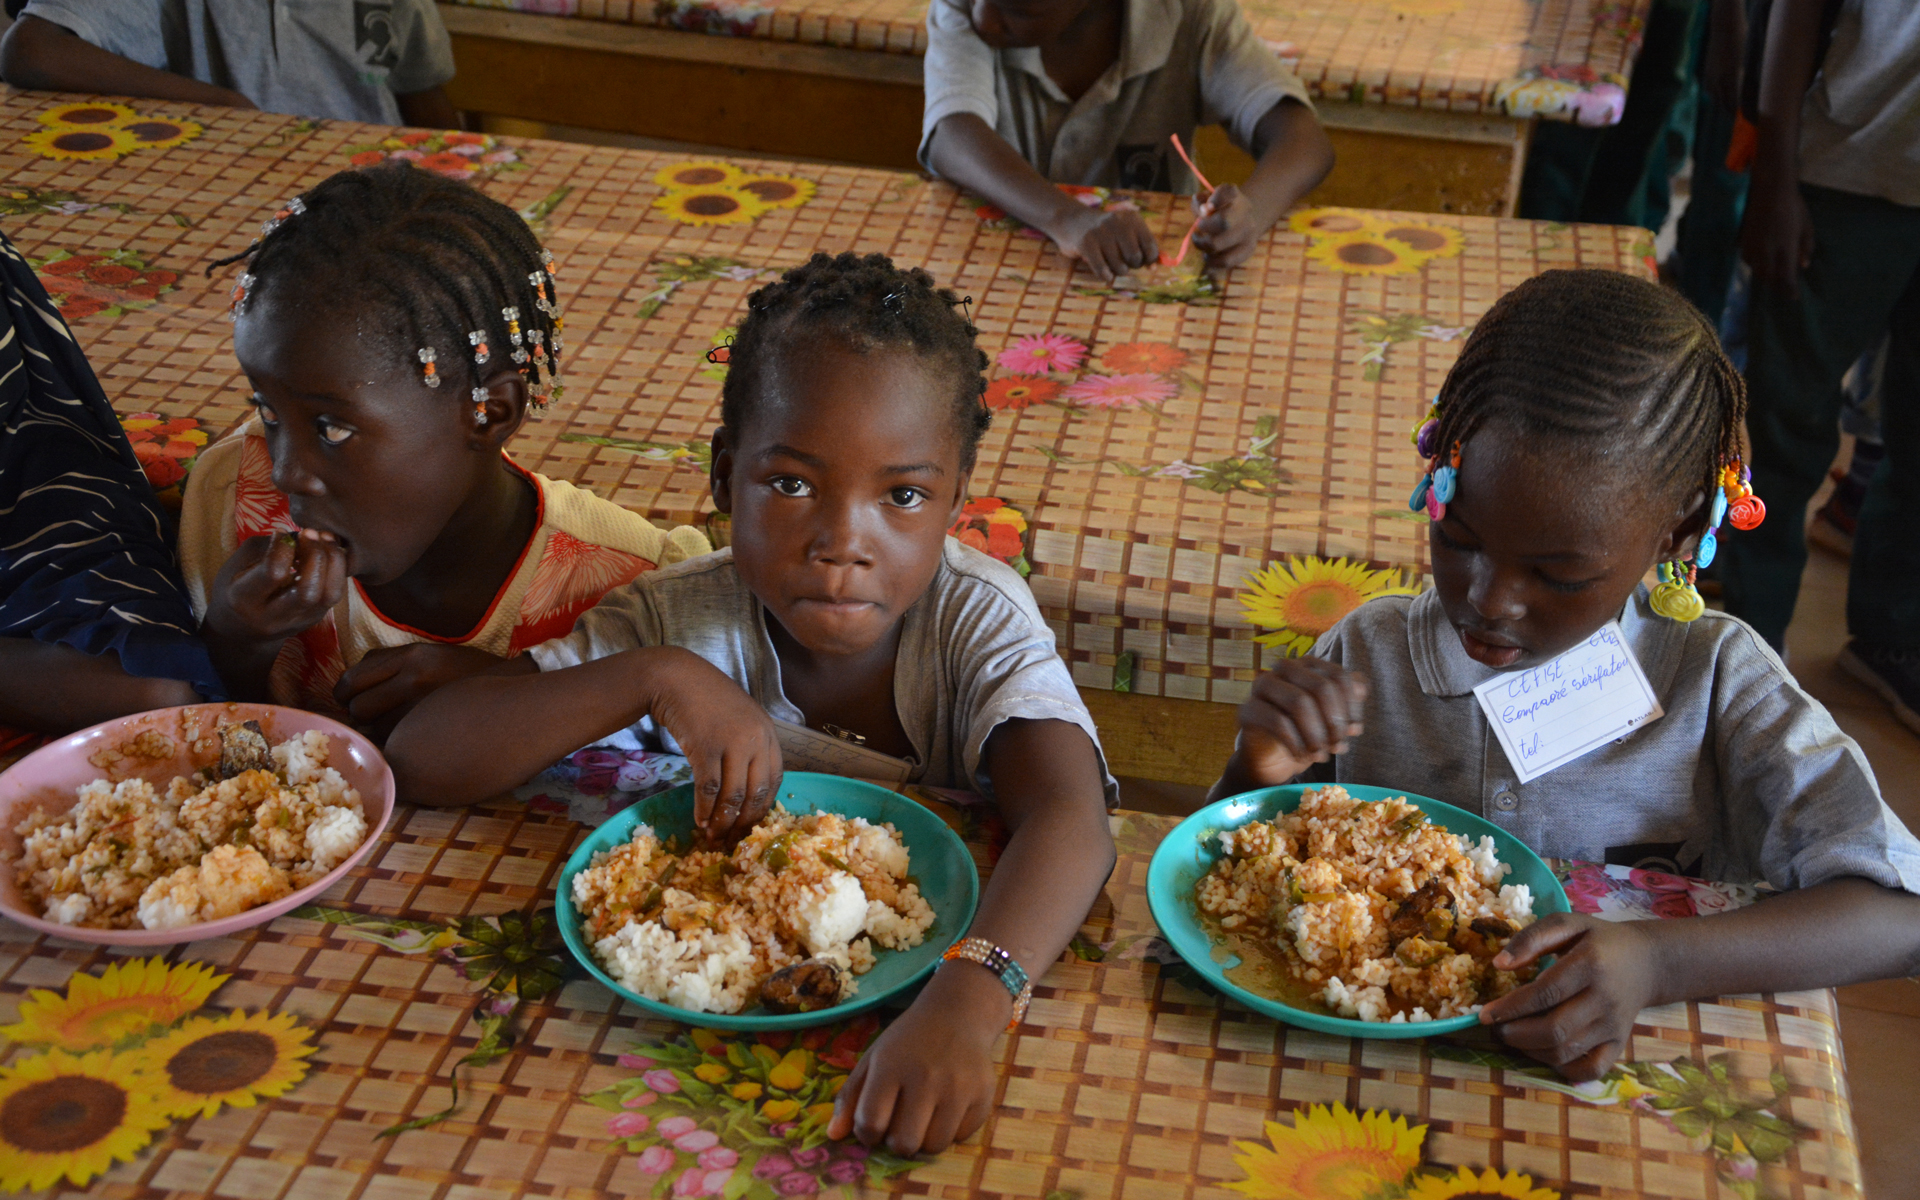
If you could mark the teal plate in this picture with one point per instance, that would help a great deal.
(1191, 850)
(940, 864)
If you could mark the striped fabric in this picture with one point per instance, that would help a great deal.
(84, 561)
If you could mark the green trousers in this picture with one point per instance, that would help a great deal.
(1864, 283)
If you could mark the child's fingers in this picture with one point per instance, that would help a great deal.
(914, 1110)
(708, 778)
(1321, 680)
(943, 1126)
(1549, 935)
(840, 1125)
(873, 1115)
(1563, 1035)
(1561, 982)
(375, 667)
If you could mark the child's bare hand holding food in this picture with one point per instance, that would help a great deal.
(928, 1081)
(277, 585)
(1577, 1016)
(1300, 713)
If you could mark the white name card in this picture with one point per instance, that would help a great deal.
(1552, 714)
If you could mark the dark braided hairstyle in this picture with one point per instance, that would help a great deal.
(431, 258)
(1615, 371)
(866, 304)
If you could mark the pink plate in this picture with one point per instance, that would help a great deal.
(47, 778)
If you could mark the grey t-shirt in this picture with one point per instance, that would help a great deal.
(1745, 778)
(974, 652)
(1183, 63)
(311, 58)
(1860, 125)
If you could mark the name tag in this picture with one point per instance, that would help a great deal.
(1548, 716)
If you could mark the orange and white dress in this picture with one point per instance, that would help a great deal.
(581, 547)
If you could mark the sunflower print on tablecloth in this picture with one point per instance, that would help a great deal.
(236, 1059)
(72, 1115)
(90, 131)
(1298, 600)
(1363, 243)
(123, 1055)
(1333, 1153)
(708, 192)
(1487, 1185)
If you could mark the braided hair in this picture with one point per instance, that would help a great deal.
(864, 303)
(1618, 372)
(434, 259)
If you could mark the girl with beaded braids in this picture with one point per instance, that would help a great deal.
(365, 537)
(1589, 432)
(842, 609)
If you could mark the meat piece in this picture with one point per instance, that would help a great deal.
(1493, 927)
(1428, 913)
(803, 987)
(244, 747)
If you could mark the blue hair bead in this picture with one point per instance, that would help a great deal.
(1418, 500)
(1719, 508)
(1444, 481)
(1709, 546)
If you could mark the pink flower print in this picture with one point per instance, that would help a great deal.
(1043, 353)
(1601, 104)
(629, 1124)
(407, 155)
(501, 156)
(1668, 905)
(1121, 391)
(772, 1166)
(695, 1182)
(797, 1183)
(674, 1127)
(470, 149)
(810, 1159)
(718, 1179)
(635, 1062)
(718, 1158)
(662, 1081)
(853, 1150)
(697, 1141)
(846, 1170)
(657, 1160)
(1657, 881)
(1586, 887)
(639, 1100)
(784, 1128)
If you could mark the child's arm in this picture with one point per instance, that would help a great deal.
(41, 55)
(1294, 155)
(1776, 237)
(269, 589)
(966, 152)
(1578, 1015)
(1300, 713)
(488, 733)
(929, 1079)
(428, 109)
(388, 681)
(57, 688)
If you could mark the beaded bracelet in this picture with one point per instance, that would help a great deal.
(1001, 963)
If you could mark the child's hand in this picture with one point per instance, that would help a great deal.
(275, 586)
(1227, 229)
(928, 1081)
(728, 739)
(1577, 1017)
(1106, 243)
(1301, 712)
(386, 683)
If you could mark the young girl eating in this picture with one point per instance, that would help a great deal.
(1589, 432)
(366, 537)
(851, 413)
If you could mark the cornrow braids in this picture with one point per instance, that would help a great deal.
(1618, 371)
(432, 259)
(865, 303)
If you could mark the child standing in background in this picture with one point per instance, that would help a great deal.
(379, 61)
(1586, 434)
(366, 538)
(851, 417)
(1024, 94)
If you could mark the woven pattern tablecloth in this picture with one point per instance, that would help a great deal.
(1279, 429)
(1463, 56)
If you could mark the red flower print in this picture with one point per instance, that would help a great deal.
(448, 163)
(163, 471)
(990, 212)
(973, 538)
(142, 291)
(366, 158)
(1003, 541)
(82, 306)
(1673, 904)
(1148, 358)
(457, 138)
(413, 137)
(983, 506)
(1020, 391)
(70, 266)
(110, 274)
(1657, 881)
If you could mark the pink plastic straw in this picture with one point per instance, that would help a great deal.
(1186, 243)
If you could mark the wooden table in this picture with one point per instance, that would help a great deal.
(1128, 1077)
(1429, 102)
(1272, 422)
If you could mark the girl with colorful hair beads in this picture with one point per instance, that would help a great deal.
(1588, 434)
(851, 413)
(366, 537)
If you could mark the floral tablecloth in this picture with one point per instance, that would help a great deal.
(1563, 59)
(419, 1033)
(1154, 444)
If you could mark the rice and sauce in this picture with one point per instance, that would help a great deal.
(789, 917)
(266, 821)
(1364, 910)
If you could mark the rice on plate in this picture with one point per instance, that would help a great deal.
(1367, 908)
(803, 899)
(267, 821)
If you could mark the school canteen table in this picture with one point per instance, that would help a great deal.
(1429, 102)
(1128, 1078)
(1202, 437)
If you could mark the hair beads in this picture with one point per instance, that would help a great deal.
(1675, 597)
(1435, 489)
(428, 375)
(479, 396)
(478, 340)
